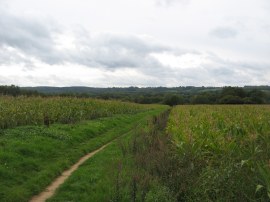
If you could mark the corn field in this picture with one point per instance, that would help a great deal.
(225, 152)
(17, 111)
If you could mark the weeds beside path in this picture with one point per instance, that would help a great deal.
(51, 189)
(124, 171)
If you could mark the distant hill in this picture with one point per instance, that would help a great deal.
(148, 95)
(95, 91)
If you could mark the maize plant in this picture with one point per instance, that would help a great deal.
(17, 111)
(229, 150)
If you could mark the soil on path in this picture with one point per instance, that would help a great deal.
(50, 190)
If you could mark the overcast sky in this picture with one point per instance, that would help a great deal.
(104, 43)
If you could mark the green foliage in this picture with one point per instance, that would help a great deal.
(173, 100)
(211, 153)
(159, 193)
(236, 95)
(264, 172)
(113, 174)
(256, 96)
(231, 99)
(149, 95)
(16, 91)
(204, 98)
(17, 111)
(222, 152)
(32, 156)
(233, 91)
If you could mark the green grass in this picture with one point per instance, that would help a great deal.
(210, 153)
(93, 180)
(108, 175)
(32, 156)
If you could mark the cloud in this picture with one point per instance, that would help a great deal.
(30, 36)
(226, 72)
(45, 52)
(211, 70)
(170, 2)
(36, 40)
(224, 32)
(266, 28)
(110, 50)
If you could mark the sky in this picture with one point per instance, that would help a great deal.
(121, 43)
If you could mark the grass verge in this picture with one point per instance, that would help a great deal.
(32, 156)
(120, 171)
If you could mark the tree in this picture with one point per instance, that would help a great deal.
(256, 96)
(234, 91)
(231, 99)
(204, 98)
(173, 100)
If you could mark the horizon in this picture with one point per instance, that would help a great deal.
(142, 86)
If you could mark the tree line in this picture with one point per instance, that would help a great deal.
(13, 90)
(228, 95)
(160, 95)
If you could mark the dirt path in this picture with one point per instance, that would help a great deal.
(50, 190)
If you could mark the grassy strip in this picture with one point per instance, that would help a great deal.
(32, 156)
(93, 180)
(115, 174)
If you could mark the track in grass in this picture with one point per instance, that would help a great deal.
(50, 190)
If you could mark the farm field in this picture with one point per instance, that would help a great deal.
(33, 154)
(223, 152)
(17, 111)
(184, 153)
(208, 153)
(135, 101)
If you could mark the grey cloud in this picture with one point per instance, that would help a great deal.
(228, 72)
(131, 42)
(250, 67)
(10, 56)
(224, 32)
(170, 2)
(266, 5)
(5, 80)
(29, 36)
(266, 28)
(37, 39)
(117, 51)
(216, 71)
(32, 38)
